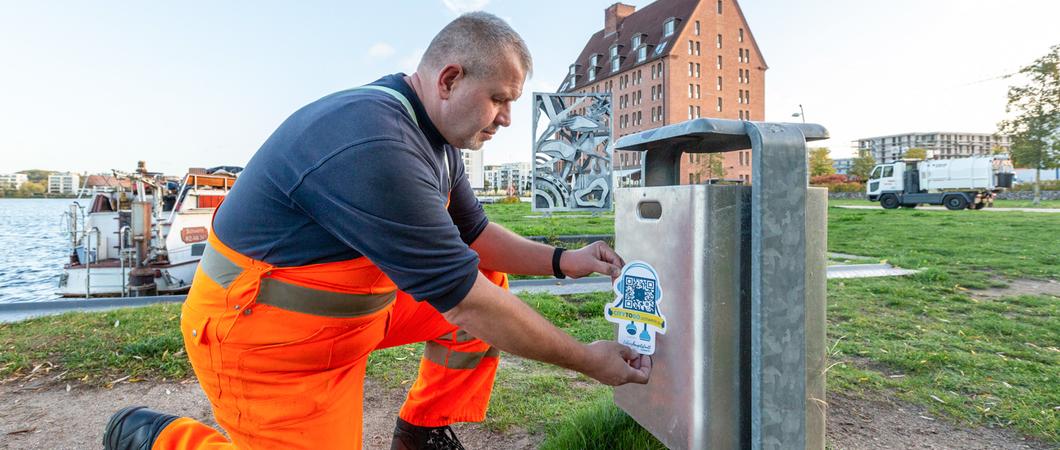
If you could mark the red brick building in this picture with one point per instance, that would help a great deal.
(672, 61)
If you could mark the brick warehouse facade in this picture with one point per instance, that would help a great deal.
(672, 61)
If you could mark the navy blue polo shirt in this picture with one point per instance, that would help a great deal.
(352, 175)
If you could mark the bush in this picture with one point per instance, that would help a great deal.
(513, 200)
(846, 187)
(837, 183)
(822, 180)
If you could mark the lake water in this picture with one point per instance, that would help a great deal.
(33, 248)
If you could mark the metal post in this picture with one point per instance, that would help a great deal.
(778, 286)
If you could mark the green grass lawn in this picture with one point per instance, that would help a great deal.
(922, 338)
(520, 219)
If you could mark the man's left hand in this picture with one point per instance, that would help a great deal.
(596, 257)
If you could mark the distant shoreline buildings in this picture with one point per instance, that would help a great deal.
(937, 144)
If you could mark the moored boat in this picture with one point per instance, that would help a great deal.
(145, 236)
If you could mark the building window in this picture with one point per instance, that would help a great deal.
(642, 53)
(719, 104)
(615, 64)
(719, 6)
(697, 91)
(691, 66)
(747, 97)
(697, 70)
(594, 60)
(719, 41)
(697, 48)
(614, 51)
(698, 115)
(592, 75)
(719, 83)
(691, 110)
(697, 28)
(668, 28)
(741, 34)
(719, 62)
(689, 91)
(690, 47)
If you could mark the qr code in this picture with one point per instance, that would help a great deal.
(640, 294)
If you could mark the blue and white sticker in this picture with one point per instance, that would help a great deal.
(636, 307)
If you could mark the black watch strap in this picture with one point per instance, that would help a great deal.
(555, 263)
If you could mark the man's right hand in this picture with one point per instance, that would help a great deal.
(615, 364)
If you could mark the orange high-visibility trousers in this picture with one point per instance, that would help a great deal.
(281, 354)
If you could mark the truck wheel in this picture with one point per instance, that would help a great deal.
(889, 201)
(955, 202)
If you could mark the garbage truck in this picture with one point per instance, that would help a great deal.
(957, 184)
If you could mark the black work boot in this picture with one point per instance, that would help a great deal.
(411, 437)
(134, 428)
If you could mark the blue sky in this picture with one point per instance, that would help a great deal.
(94, 86)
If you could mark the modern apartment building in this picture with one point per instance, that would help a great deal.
(517, 174)
(64, 183)
(938, 144)
(473, 167)
(12, 180)
(672, 61)
(842, 165)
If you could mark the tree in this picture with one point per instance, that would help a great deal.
(30, 189)
(37, 175)
(862, 166)
(1035, 125)
(820, 162)
(708, 166)
(915, 153)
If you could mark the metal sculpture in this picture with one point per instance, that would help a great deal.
(572, 156)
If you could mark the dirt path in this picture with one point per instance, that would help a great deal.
(54, 418)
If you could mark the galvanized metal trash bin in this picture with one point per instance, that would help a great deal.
(742, 270)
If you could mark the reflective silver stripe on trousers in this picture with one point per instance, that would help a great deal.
(219, 268)
(295, 298)
(292, 297)
(442, 356)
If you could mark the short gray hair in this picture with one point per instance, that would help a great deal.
(472, 41)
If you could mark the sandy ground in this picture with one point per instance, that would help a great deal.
(39, 417)
(53, 418)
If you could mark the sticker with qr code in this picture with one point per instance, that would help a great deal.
(636, 307)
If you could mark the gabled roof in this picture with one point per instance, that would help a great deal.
(751, 35)
(647, 21)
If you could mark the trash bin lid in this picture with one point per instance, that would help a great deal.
(707, 136)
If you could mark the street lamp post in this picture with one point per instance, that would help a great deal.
(801, 114)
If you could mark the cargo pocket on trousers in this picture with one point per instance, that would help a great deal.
(194, 327)
(285, 384)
